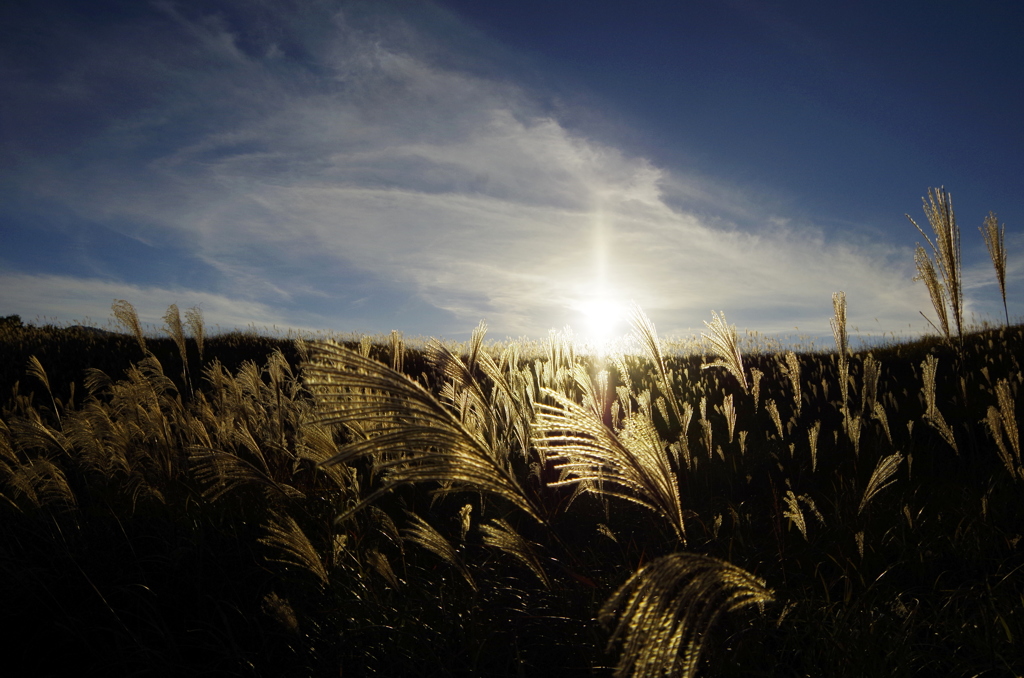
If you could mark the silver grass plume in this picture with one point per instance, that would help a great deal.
(222, 472)
(938, 208)
(932, 414)
(884, 470)
(757, 375)
(174, 328)
(795, 513)
(879, 413)
(791, 368)
(728, 410)
(292, 547)
(172, 320)
(995, 242)
(632, 464)
(1002, 420)
(422, 533)
(937, 293)
(125, 314)
(838, 323)
(499, 534)
(872, 370)
(36, 369)
(25, 477)
(380, 563)
(773, 410)
(194, 320)
(666, 609)
(812, 439)
(397, 350)
(725, 342)
(424, 440)
(648, 336)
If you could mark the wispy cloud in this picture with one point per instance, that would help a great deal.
(62, 299)
(345, 156)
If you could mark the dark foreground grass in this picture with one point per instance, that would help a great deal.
(156, 527)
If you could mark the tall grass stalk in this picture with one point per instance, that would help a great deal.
(725, 341)
(944, 259)
(995, 242)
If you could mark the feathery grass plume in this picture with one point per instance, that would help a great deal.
(26, 474)
(382, 566)
(945, 259)
(852, 425)
(667, 608)
(1002, 420)
(512, 396)
(397, 350)
(462, 390)
(222, 472)
(591, 396)
(424, 441)
(292, 546)
(796, 514)
(773, 410)
(812, 439)
(194, 321)
(724, 340)
(41, 482)
(499, 534)
(684, 440)
(648, 336)
(315, 443)
(422, 533)
(878, 412)
(125, 314)
(728, 410)
(633, 464)
(884, 470)
(926, 273)
(465, 520)
(995, 239)
(30, 433)
(386, 527)
(932, 414)
(279, 609)
(172, 320)
(756, 375)
(838, 323)
(35, 369)
(709, 445)
(872, 370)
(791, 368)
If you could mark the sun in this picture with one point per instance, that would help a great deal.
(603, 319)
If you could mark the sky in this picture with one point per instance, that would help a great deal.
(422, 166)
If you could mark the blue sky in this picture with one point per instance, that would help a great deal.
(422, 166)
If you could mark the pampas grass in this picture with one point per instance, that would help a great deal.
(665, 610)
(407, 432)
(944, 258)
(995, 243)
(725, 342)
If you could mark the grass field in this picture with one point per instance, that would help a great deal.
(242, 505)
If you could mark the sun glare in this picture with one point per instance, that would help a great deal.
(603, 321)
